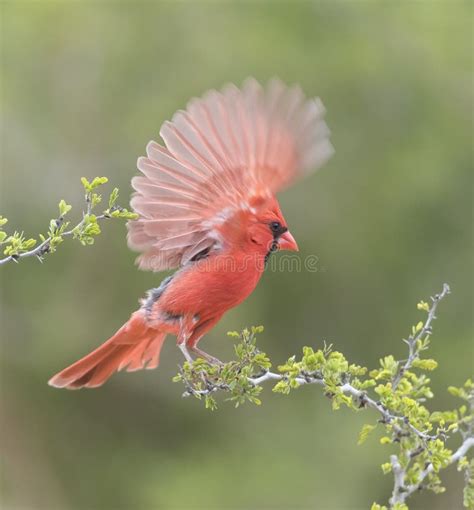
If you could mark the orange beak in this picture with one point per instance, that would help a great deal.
(287, 242)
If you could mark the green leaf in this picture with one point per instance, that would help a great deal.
(364, 433)
(458, 392)
(422, 305)
(389, 368)
(123, 213)
(28, 244)
(113, 197)
(98, 181)
(425, 364)
(210, 403)
(95, 199)
(64, 208)
(86, 184)
(282, 387)
(400, 506)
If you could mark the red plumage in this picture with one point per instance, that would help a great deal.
(206, 204)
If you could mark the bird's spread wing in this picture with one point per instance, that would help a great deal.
(227, 147)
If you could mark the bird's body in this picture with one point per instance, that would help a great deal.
(207, 203)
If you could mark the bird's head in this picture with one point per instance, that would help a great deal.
(267, 230)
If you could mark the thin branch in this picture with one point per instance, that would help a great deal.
(360, 396)
(44, 247)
(398, 480)
(85, 230)
(422, 449)
(425, 331)
(401, 496)
(402, 492)
(398, 422)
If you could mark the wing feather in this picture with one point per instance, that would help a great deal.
(224, 149)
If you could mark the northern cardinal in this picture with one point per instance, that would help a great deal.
(206, 204)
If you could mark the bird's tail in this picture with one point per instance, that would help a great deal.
(135, 346)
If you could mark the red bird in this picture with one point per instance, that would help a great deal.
(206, 204)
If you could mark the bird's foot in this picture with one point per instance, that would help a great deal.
(210, 359)
(185, 352)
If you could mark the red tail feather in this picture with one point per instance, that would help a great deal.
(135, 346)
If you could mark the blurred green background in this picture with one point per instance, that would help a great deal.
(85, 85)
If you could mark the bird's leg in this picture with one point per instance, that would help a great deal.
(201, 354)
(185, 330)
(185, 352)
(197, 334)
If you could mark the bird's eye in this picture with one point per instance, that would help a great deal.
(275, 226)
